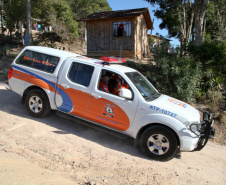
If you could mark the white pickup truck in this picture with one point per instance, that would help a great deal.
(113, 97)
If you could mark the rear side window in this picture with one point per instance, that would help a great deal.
(80, 73)
(39, 61)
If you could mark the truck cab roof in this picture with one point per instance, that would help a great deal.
(51, 51)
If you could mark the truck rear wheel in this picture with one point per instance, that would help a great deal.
(37, 103)
(159, 143)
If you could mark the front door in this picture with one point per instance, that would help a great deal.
(106, 107)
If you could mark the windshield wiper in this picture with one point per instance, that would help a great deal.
(147, 97)
(155, 95)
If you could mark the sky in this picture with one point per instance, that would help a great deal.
(133, 4)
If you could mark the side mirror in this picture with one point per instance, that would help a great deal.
(125, 93)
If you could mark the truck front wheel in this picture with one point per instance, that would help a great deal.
(37, 103)
(159, 143)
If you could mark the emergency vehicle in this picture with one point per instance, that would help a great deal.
(50, 79)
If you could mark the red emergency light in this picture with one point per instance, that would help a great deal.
(113, 59)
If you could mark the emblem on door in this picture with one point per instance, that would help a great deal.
(109, 110)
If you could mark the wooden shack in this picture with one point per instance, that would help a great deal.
(118, 32)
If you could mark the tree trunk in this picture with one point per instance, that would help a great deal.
(182, 30)
(190, 21)
(1, 16)
(200, 10)
(190, 27)
(10, 30)
(204, 29)
(21, 31)
(29, 30)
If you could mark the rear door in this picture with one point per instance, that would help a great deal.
(73, 89)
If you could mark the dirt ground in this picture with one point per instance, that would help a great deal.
(54, 150)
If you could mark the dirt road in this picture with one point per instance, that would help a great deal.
(54, 150)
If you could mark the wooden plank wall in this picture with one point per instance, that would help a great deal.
(100, 38)
(116, 53)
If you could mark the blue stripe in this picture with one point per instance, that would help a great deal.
(67, 104)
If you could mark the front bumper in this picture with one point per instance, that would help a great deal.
(206, 132)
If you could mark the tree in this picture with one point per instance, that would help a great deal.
(15, 12)
(178, 17)
(28, 18)
(52, 12)
(1, 10)
(200, 11)
(82, 8)
(60, 16)
(215, 20)
(63, 15)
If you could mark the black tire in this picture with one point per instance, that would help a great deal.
(159, 143)
(37, 103)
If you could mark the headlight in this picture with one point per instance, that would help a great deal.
(187, 124)
(193, 127)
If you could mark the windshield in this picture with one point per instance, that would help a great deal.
(143, 85)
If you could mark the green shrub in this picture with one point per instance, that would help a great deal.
(174, 76)
(196, 76)
(211, 55)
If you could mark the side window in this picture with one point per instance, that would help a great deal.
(111, 82)
(122, 29)
(39, 61)
(80, 73)
(26, 58)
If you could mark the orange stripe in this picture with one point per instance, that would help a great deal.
(31, 79)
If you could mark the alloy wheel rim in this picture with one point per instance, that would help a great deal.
(158, 144)
(35, 104)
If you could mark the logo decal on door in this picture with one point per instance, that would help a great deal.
(109, 110)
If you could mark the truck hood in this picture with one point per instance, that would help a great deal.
(175, 108)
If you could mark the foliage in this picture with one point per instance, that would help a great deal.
(83, 8)
(60, 16)
(168, 13)
(200, 70)
(177, 17)
(172, 75)
(151, 40)
(211, 55)
(177, 76)
(15, 11)
(196, 76)
(184, 19)
(215, 20)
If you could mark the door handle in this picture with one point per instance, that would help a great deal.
(65, 86)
